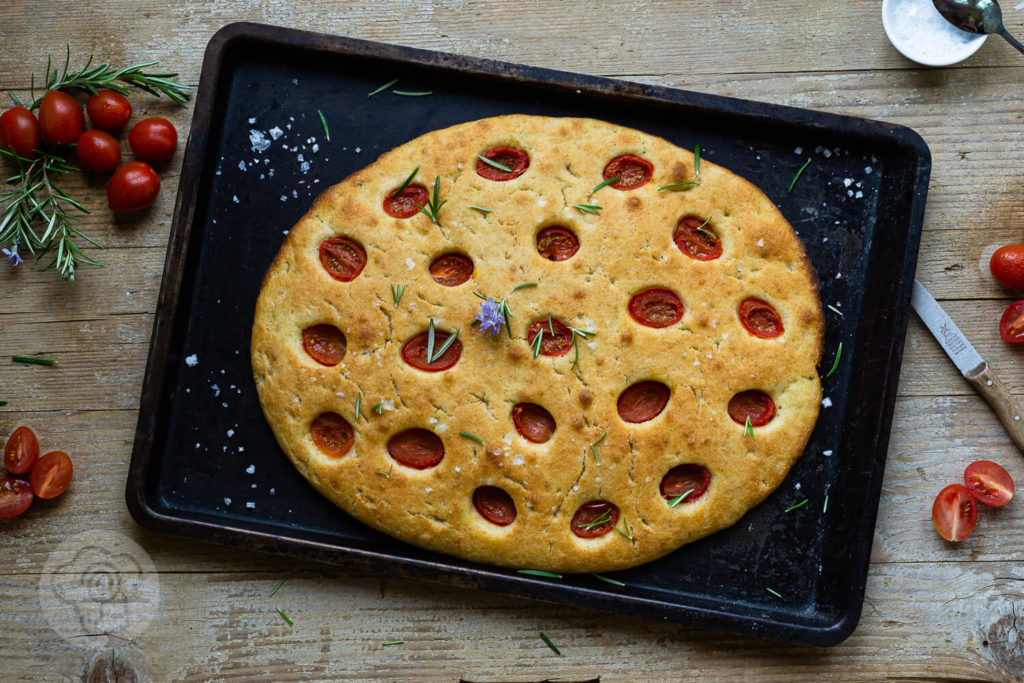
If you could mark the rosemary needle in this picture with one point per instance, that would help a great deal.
(359, 401)
(285, 617)
(774, 592)
(33, 360)
(383, 87)
(588, 208)
(797, 176)
(3, 403)
(413, 93)
(479, 208)
(605, 183)
(495, 164)
(539, 572)
(392, 642)
(524, 286)
(547, 640)
(798, 505)
(613, 582)
(279, 584)
(471, 436)
(835, 363)
(323, 122)
(836, 311)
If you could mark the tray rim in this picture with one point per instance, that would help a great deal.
(150, 517)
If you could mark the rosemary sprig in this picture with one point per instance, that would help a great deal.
(495, 164)
(105, 77)
(544, 637)
(836, 311)
(535, 346)
(387, 475)
(798, 505)
(323, 122)
(835, 363)
(748, 428)
(797, 176)
(539, 572)
(383, 87)
(593, 448)
(589, 208)
(598, 521)
(607, 182)
(406, 182)
(434, 205)
(614, 582)
(278, 586)
(576, 336)
(33, 360)
(471, 436)
(679, 498)
(396, 293)
(285, 617)
(37, 199)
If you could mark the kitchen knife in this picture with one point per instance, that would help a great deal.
(971, 365)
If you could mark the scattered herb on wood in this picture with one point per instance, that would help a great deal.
(3, 403)
(285, 617)
(544, 637)
(392, 642)
(277, 587)
(33, 360)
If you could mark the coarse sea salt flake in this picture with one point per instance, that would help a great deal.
(826, 402)
(250, 469)
(409, 263)
(252, 119)
(234, 197)
(192, 360)
(275, 132)
(259, 141)
(518, 459)
(251, 505)
(227, 501)
(230, 433)
(828, 452)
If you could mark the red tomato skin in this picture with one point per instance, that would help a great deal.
(19, 131)
(1007, 266)
(133, 187)
(109, 110)
(21, 451)
(15, 497)
(51, 475)
(955, 512)
(1011, 325)
(98, 151)
(989, 483)
(60, 118)
(153, 139)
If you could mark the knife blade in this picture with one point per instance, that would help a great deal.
(969, 362)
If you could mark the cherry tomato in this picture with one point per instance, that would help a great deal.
(1007, 266)
(21, 451)
(109, 110)
(955, 512)
(15, 497)
(153, 139)
(19, 131)
(51, 475)
(60, 118)
(989, 483)
(133, 187)
(98, 151)
(1011, 325)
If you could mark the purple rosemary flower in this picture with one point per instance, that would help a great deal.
(490, 317)
(12, 256)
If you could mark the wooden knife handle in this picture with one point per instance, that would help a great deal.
(1002, 401)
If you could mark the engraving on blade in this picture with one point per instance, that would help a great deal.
(949, 336)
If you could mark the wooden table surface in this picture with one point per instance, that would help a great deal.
(932, 611)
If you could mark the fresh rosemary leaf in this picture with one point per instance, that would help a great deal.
(835, 363)
(285, 617)
(748, 428)
(797, 176)
(3, 403)
(524, 286)
(628, 533)
(279, 584)
(383, 87)
(551, 325)
(613, 582)
(396, 293)
(106, 77)
(593, 447)
(798, 505)
(607, 182)
(406, 182)
(430, 340)
(705, 231)
(392, 642)
(836, 311)
(479, 208)
(471, 436)
(824, 508)
(679, 498)
(386, 475)
(495, 164)
(696, 162)
(675, 185)
(544, 637)
(535, 346)
(323, 122)
(539, 572)
(444, 347)
(359, 401)
(412, 93)
(598, 521)
(774, 592)
(434, 205)
(378, 407)
(589, 208)
(548, 241)
(33, 360)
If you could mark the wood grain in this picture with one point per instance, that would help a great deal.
(933, 610)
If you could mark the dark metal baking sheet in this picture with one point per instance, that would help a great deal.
(206, 466)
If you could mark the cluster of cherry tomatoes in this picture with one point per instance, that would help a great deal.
(1007, 266)
(955, 510)
(134, 185)
(34, 476)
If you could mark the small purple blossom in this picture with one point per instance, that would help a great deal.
(490, 317)
(12, 256)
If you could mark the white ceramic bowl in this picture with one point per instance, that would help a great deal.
(921, 34)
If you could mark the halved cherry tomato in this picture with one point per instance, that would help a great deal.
(133, 187)
(21, 451)
(98, 151)
(955, 512)
(989, 483)
(153, 139)
(109, 110)
(15, 497)
(60, 118)
(51, 475)
(19, 131)
(1011, 325)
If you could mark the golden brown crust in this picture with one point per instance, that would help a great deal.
(705, 358)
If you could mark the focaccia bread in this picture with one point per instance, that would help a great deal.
(672, 386)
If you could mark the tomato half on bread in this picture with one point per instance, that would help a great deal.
(955, 512)
(989, 483)
(1011, 325)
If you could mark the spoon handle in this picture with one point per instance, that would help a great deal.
(1011, 40)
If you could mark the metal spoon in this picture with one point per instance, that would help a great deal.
(976, 16)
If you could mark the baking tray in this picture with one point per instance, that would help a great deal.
(205, 464)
